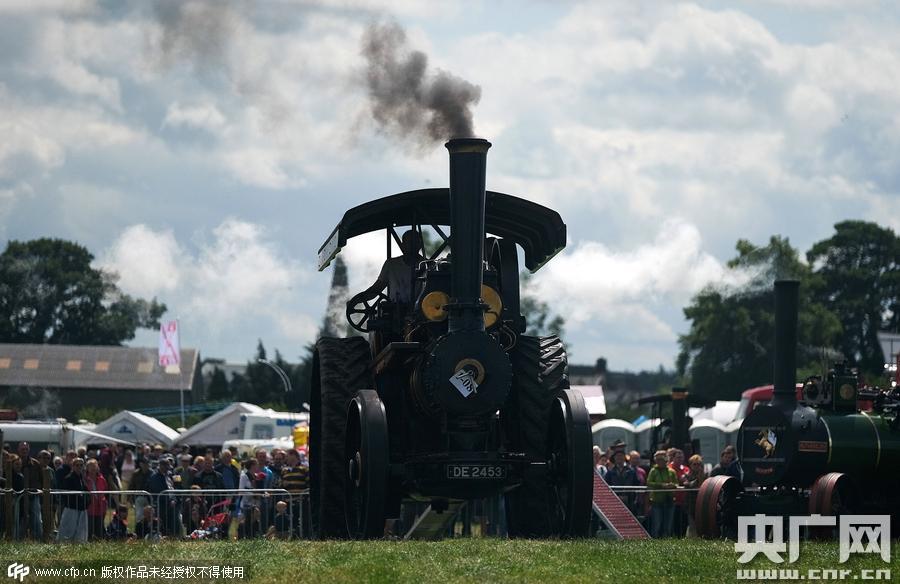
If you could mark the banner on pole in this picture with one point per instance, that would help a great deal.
(169, 345)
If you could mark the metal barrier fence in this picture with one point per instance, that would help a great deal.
(62, 515)
(210, 512)
(186, 513)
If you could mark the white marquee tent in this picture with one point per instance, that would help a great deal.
(219, 427)
(134, 427)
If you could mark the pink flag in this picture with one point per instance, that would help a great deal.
(169, 346)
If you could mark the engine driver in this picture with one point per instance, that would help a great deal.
(397, 273)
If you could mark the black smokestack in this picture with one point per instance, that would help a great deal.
(468, 166)
(786, 311)
(406, 99)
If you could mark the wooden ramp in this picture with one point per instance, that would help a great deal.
(430, 525)
(614, 514)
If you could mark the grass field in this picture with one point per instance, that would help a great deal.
(458, 560)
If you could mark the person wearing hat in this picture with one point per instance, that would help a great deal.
(622, 475)
(161, 480)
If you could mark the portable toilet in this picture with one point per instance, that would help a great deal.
(643, 434)
(732, 430)
(609, 431)
(712, 437)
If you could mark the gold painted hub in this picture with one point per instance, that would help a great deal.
(434, 305)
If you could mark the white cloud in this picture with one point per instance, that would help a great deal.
(47, 6)
(243, 271)
(148, 262)
(203, 116)
(619, 115)
(231, 278)
(260, 167)
(364, 256)
(593, 284)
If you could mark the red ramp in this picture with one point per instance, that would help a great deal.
(614, 514)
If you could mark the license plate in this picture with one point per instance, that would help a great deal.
(476, 471)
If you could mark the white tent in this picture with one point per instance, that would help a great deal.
(53, 435)
(594, 400)
(135, 427)
(723, 412)
(219, 427)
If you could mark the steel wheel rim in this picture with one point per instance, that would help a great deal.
(366, 461)
(570, 458)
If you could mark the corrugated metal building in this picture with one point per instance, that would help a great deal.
(58, 380)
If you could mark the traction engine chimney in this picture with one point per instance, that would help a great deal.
(786, 311)
(468, 164)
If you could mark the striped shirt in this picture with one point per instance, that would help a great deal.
(295, 479)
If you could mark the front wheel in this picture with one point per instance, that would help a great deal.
(571, 465)
(366, 458)
(716, 512)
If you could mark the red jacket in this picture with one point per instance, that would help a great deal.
(680, 470)
(97, 506)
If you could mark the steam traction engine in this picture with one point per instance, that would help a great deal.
(821, 455)
(448, 400)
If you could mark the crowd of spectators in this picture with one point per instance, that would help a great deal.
(666, 510)
(90, 493)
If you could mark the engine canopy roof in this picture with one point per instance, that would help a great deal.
(540, 231)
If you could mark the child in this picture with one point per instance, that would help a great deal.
(148, 526)
(281, 528)
(118, 525)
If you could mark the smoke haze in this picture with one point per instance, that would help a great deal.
(407, 100)
(197, 31)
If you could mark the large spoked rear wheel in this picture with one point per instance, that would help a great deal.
(571, 465)
(539, 373)
(366, 456)
(716, 512)
(340, 368)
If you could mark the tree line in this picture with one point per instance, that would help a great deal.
(849, 291)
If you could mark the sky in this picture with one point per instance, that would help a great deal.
(204, 150)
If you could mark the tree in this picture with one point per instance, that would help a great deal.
(539, 318)
(95, 414)
(218, 388)
(49, 293)
(860, 269)
(729, 346)
(260, 383)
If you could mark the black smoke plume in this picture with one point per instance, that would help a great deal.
(406, 99)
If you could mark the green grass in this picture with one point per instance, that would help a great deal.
(457, 560)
